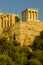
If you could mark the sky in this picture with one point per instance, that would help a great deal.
(17, 6)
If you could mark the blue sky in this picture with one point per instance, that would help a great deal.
(17, 6)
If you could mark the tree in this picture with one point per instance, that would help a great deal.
(5, 60)
(38, 42)
(33, 62)
(37, 47)
(38, 54)
(11, 52)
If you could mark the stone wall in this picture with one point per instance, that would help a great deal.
(25, 32)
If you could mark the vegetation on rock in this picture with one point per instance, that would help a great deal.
(11, 53)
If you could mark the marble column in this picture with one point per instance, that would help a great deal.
(32, 15)
(35, 15)
(29, 15)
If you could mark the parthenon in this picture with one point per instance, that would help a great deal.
(7, 19)
(23, 31)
